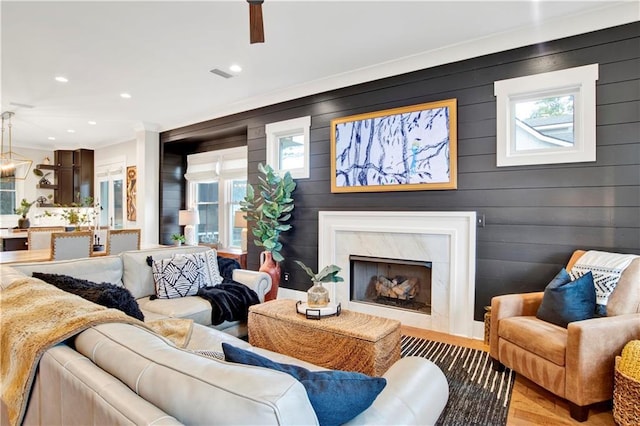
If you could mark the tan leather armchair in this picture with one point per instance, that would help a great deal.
(576, 363)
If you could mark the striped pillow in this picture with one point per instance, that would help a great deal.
(178, 276)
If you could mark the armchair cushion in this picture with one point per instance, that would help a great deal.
(565, 301)
(542, 338)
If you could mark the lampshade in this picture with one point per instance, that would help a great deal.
(238, 220)
(188, 217)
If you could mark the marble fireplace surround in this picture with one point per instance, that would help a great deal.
(447, 239)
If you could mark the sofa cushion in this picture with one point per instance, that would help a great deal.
(336, 396)
(542, 338)
(137, 275)
(191, 307)
(565, 301)
(104, 294)
(179, 276)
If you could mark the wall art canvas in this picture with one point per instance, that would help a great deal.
(402, 149)
(132, 178)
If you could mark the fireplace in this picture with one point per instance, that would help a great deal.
(396, 283)
(446, 239)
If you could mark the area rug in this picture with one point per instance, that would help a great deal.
(478, 395)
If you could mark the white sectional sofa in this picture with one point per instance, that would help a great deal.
(119, 373)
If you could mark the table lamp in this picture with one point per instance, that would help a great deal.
(189, 218)
(240, 222)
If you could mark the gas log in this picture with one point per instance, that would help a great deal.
(396, 288)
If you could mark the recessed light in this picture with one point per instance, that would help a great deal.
(93, 123)
(62, 79)
(235, 68)
(71, 131)
(51, 138)
(125, 95)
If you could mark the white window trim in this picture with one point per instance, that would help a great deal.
(11, 220)
(285, 128)
(581, 82)
(210, 167)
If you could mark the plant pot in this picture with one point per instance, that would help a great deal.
(271, 267)
(177, 243)
(318, 296)
(23, 223)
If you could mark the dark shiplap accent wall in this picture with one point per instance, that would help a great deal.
(535, 215)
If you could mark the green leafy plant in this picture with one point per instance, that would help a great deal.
(24, 207)
(269, 207)
(79, 213)
(178, 237)
(329, 274)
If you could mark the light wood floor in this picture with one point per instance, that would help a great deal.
(530, 404)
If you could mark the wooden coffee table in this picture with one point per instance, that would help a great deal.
(352, 341)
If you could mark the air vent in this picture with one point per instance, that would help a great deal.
(221, 73)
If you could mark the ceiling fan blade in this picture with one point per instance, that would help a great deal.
(256, 29)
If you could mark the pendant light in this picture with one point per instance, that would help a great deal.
(13, 166)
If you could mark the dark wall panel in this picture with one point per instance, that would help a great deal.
(535, 215)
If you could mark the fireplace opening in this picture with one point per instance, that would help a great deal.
(397, 283)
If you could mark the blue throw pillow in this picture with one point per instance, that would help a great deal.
(336, 396)
(565, 301)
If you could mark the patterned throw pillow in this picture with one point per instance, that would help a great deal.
(178, 276)
(210, 273)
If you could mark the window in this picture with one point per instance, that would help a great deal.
(217, 183)
(288, 146)
(547, 118)
(8, 197)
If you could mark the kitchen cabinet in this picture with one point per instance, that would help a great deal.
(74, 175)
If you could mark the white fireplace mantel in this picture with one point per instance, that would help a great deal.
(447, 239)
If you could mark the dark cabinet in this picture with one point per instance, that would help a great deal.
(74, 175)
(13, 244)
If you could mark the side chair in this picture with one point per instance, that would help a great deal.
(71, 245)
(40, 238)
(119, 240)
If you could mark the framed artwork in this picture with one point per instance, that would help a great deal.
(132, 178)
(411, 148)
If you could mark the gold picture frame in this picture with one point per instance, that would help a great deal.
(132, 178)
(412, 148)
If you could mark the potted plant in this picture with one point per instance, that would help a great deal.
(23, 210)
(268, 208)
(178, 239)
(318, 295)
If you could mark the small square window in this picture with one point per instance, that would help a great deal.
(288, 146)
(547, 118)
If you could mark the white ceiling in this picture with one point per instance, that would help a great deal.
(161, 53)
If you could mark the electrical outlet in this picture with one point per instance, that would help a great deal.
(285, 276)
(480, 219)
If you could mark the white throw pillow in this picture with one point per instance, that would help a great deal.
(210, 272)
(178, 276)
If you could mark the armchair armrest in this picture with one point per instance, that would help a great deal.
(592, 346)
(260, 282)
(510, 305)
